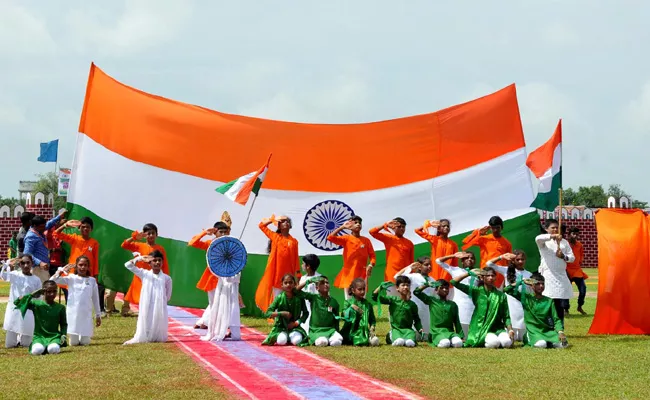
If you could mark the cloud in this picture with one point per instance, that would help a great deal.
(23, 34)
(636, 114)
(561, 34)
(142, 25)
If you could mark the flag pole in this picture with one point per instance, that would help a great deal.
(247, 217)
(560, 216)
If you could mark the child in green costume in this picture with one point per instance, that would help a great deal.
(50, 325)
(403, 312)
(543, 327)
(289, 310)
(324, 313)
(359, 326)
(491, 317)
(445, 330)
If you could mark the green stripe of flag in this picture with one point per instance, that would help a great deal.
(548, 201)
(225, 187)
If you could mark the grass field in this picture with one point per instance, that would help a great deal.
(594, 367)
(4, 288)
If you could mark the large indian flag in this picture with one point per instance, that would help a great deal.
(143, 158)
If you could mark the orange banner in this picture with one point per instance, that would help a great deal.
(623, 273)
(306, 157)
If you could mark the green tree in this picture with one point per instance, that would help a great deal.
(596, 197)
(49, 183)
(11, 202)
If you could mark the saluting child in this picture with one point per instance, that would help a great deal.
(445, 328)
(403, 313)
(359, 326)
(289, 310)
(324, 313)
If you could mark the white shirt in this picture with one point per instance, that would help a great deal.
(83, 297)
(514, 306)
(21, 285)
(463, 301)
(156, 291)
(557, 283)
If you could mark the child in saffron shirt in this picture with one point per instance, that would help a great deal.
(399, 250)
(358, 254)
(83, 245)
(441, 245)
(283, 259)
(491, 245)
(133, 244)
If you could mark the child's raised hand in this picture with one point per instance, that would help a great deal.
(140, 235)
(267, 221)
(73, 223)
(461, 254)
(348, 224)
(508, 256)
(484, 230)
(390, 225)
(211, 231)
(68, 267)
(38, 292)
(147, 259)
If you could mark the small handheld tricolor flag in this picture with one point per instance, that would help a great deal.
(546, 164)
(241, 188)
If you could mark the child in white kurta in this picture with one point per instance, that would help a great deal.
(310, 263)
(517, 261)
(224, 312)
(418, 273)
(83, 298)
(462, 300)
(156, 292)
(20, 330)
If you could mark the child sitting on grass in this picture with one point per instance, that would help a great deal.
(50, 325)
(324, 312)
(359, 326)
(403, 312)
(445, 330)
(289, 310)
(544, 327)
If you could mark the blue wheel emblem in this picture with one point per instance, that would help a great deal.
(322, 219)
(226, 256)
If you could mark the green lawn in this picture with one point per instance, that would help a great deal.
(594, 367)
(4, 288)
(106, 370)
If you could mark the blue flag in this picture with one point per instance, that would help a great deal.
(49, 151)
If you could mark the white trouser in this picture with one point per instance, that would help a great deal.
(454, 342)
(52, 348)
(283, 338)
(14, 339)
(76, 340)
(335, 340)
(492, 341)
(542, 344)
(206, 313)
(465, 328)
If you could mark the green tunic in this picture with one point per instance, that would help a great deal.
(403, 316)
(356, 328)
(490, 315)
(47, 320)
(324, 312)
(542, 322)
(443, 316)
(298, 309)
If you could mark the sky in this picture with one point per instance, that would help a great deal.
(339, 61)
